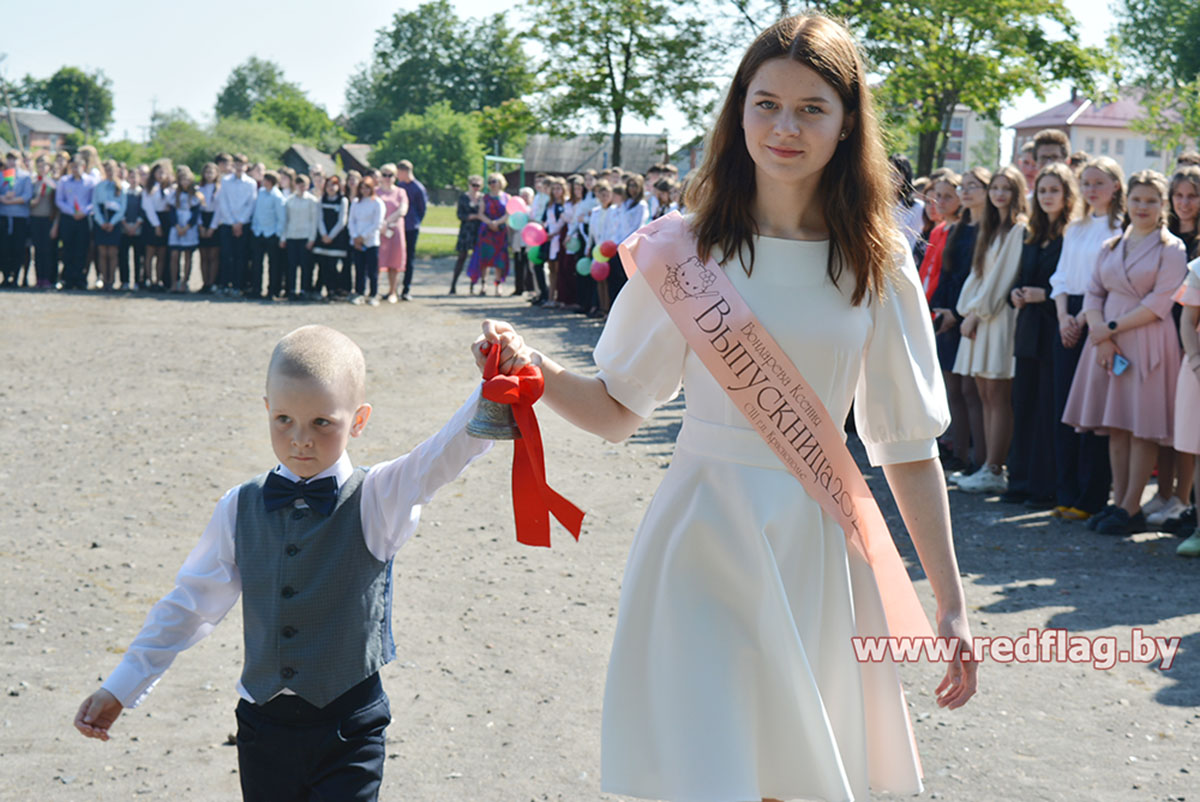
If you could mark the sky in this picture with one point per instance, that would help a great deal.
(168, 55)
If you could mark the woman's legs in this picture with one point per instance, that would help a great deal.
(1142, 454)
(185, 269)
(458, 268)
(552, 281)
(1166, 473)
(960, 423)
(1185, 474)
(106, 261)
(393, 280)
(974, 402)
(173, 271)
(996, 396)
(1118, 457)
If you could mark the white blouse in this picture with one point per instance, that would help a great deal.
(1082, 242)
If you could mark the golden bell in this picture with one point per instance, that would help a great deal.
(493, 421)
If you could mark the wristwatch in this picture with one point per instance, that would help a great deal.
(1112, 325)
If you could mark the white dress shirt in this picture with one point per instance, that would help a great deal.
(235, 201)
(1082, 242)
(209, 583)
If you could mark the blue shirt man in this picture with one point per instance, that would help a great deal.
(418, 198)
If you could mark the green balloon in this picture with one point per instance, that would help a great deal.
(584, 266)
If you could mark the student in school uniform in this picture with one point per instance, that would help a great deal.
(130, 252)
(74, 200)
(1031, 468)
(108, 212)
(209, 246)
(635, 213)
(366, 219)
(184, 236)
(267, 228)
(235, 206)
(16, 191)
(333, 239)
(157, 210)
(43, 215)
(1081, 458)
(300, 233)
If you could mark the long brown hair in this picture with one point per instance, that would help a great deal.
(1191, 174)
(855, 187)
(993, 225)
(984, 176)
(1041, 227)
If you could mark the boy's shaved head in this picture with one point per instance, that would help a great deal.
(323, 354)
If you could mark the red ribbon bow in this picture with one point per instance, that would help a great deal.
(533, 500)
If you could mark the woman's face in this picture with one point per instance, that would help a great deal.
(1145, 207)
(1185, 201)
(387, 178)
(42, 166)
(110, 172)
(1098, 188)
(1050, 196)
(945, 199)
(793, 120)
(1000, 194)
(972, 192)
(331, 189)
(210, 173)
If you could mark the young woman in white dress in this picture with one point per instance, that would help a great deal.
(732, 676)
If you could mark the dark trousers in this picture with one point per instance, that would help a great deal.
(290, 750)
(131, 260)
(410, 250)
(299, 258)
(263, 248)
(14, 233)
(327, 274)
(44, 252)
(366, 269)
(522, 278)
(75, 235)
(1084, 474)
(234, 252)
(1031, 455)
(539, 275)
(616, 278)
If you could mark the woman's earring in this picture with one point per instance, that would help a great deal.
(842, 135)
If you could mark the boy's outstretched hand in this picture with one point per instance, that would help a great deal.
(97, 714)
(514, 354)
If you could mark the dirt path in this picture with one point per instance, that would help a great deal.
(123, 419)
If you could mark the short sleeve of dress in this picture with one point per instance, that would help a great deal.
(641, 353)
(900, 405)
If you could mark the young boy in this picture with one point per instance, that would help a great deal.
(310, 546)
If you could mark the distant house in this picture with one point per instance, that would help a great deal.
(972, 140)
(39, 130)
(354, 157)
(1100, 129)
(302, 158)
(554, 156)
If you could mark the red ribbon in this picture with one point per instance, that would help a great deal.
(533, 500)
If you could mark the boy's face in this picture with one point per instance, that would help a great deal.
(311, 423)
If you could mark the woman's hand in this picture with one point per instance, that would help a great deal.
(514, 354)
(326, 240)
(970, 326)
(961, 680)
(1105, 352)
(158, 231)
(1033, 295)
(1017, 297)
(1099, 335)
(1069, 331)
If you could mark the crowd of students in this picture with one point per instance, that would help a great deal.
(254, 233)
(1066, 315)
(578, 214)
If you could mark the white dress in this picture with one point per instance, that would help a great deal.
(732, 674)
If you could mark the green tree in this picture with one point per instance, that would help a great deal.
(443, 145)
(250, 83)
(610, 60)
(507, 126)
(292, 110)
(429, 55)
(85, 100)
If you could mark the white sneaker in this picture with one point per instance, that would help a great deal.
(1155, 504)
(961, 478)
(985, 481)
(1170, 509)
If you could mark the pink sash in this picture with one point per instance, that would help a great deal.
(764, 384)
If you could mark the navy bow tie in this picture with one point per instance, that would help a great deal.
(280, 492)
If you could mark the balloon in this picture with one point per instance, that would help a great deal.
(598, 255)
(516, 205)
(608, 248)
(584, 266)
(533, 234)
(574, 244)
(537, 256)
(600, 270)
(517, 220)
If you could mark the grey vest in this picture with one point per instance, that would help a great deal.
(316, 604)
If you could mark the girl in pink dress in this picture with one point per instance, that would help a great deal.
(392, 250)
(1128, 307)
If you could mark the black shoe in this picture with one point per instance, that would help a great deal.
(1095, 520)
(1014, 497)
(404, 296)
(1181, 525)
(1121, 523)
(1040, 504)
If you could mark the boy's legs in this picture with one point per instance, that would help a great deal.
(290, 750)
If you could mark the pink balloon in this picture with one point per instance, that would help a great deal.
(533, 234)
(516, 204)
(600, 270)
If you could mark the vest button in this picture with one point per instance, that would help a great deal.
(289, 632)
(288, 592)
(288, 672)
(292, 550)
(297, 514)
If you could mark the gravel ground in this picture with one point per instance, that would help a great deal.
(123, 419)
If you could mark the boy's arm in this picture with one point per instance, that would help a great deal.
(394, 491)
(206, 587)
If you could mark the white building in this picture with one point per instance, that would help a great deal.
(971, 141)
